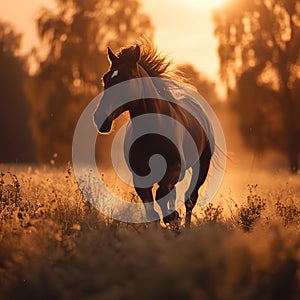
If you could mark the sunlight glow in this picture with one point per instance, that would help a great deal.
(204, 3)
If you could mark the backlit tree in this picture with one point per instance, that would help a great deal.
(75, 38)
(259, 54)
(15, 136)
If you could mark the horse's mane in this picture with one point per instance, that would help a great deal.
(155, 63)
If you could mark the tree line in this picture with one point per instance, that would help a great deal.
(259, 63)
(259, 50)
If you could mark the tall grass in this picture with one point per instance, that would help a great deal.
(54, 245)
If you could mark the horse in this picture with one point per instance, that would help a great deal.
(143, 61)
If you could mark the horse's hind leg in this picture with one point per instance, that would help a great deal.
(146, 196)
(199, 177)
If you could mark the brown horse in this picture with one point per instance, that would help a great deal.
(140, 62)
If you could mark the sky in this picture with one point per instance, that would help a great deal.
(183, 28)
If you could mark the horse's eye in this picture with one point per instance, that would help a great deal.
(114, 74)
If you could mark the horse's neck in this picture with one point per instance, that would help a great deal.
(146, 106)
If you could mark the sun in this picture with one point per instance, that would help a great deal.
(205, 3)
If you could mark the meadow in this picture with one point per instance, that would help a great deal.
(55, 245)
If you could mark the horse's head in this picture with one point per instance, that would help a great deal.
(121, 69)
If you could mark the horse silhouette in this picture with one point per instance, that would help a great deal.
(142, 61)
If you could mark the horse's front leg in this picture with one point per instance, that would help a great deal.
(146, 196)
(166, 194)
(167, 204)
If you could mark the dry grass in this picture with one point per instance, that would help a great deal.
(54, 245)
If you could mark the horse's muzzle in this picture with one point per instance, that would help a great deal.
(104, 128)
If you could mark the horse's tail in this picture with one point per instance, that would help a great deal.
(219, 157)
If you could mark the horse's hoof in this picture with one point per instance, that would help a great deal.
(171, 217)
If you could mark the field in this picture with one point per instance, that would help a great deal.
(54, 245)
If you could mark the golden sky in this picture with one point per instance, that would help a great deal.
(183, 28)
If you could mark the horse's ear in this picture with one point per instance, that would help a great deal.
(112, 57)
(136, 54)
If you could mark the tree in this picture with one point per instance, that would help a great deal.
(68, 78)
(15, 136)
(259, 59)
(204, 85)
